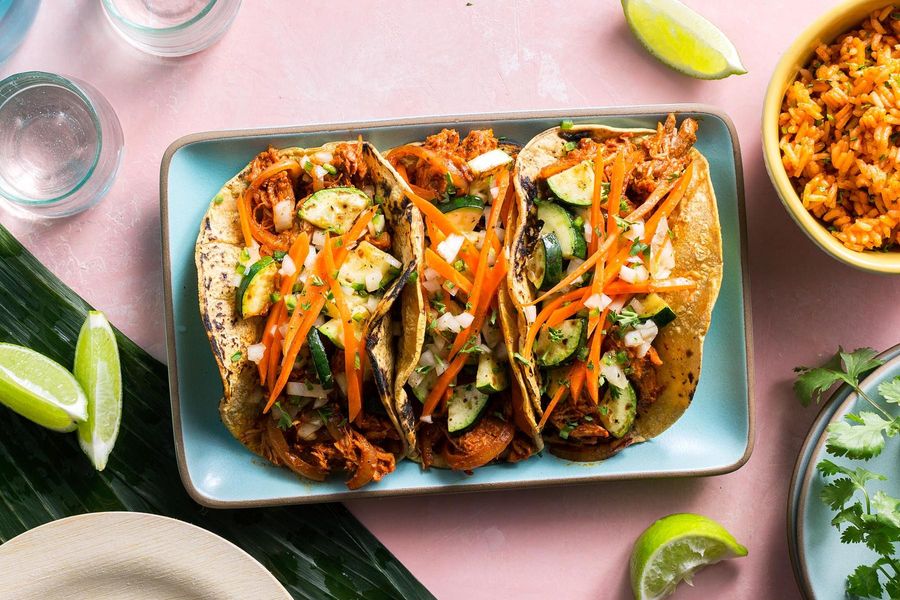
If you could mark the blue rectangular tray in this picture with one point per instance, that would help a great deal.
(714, 436)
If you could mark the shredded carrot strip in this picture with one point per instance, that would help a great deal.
(566, 312)
(427, 194)
(553, 402)
(616, 185)
(274, 355)
(447, 271)
(654, 356)
(596, 216)
(675, 284)
(442, 385)
(495, 277)
(490, 235)
(669, 203)
(434, 213)
(351, 345)
(557, 167)
(576, 379)
(545, 314)
(593, 364)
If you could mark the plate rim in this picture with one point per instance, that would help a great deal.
(343, 126)
(801, 477)
(24, 537)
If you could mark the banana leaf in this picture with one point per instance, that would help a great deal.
(318, 551)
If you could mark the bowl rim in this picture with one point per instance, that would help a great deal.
(832, 23)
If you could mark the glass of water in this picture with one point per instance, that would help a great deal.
(60, 144)
(16, 17)
(171, 27)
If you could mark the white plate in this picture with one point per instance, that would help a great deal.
(130, 556)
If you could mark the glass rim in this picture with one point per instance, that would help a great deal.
(114, 12)
(43, 78)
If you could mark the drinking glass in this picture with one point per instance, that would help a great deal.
(16, 17)
(60, 144)
(171, 27)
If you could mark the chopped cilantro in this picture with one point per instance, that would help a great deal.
(566, 125)
(236, 356)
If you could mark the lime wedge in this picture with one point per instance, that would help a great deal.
(97, 370)
(40, 389)
(682, 39)
(673, 549)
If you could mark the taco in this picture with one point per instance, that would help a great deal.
(462, 406)
(617, 262)
(300, 258)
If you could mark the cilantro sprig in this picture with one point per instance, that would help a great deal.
(861, 516)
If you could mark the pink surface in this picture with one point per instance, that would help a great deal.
(291, 63)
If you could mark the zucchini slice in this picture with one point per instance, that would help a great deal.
(617, 409)
(333, 329)
(368, 269)
(559, 221)
(557, 345)
(657, 310)
(319, 359)
(464, 212)
(465, 406)
(545, 265)
(575, 185)
(254, 295)
(334, 209)
(491, 376)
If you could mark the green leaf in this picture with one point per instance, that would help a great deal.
(861, 441)
(890, 390)
(837, 493)
(859, 362)
(812, 383)
(864, 582)
(317, 551)
(886, 508)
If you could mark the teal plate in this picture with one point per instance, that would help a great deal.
(822, 561)
(714, 436)
(806, 452)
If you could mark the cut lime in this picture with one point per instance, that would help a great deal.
(682, 39)
(97, 370)
(40, 389)
(673, 549)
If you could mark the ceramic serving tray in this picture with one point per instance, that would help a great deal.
(714, 436)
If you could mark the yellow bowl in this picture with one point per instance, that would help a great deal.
(824, 30)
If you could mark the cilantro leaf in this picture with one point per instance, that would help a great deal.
(864, 582)
(887, 508)
(859, 362)
(837, 493)
(890, 390)
(861, 440)
(813, 383)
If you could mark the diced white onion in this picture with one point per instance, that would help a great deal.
(427, 358)
(643, 349)
(662, 261)
(627, 274)
(613, 373)
(237, 279)
(588, 232)
(373, 281)
(305, 162)
(255, 352)
(323, 157)
(641, 274)
(392, 261)
(432, 285)
(635, 260)
(501, 233)
(465, 319)
(372, 303)
(310, 258)
(633, 339)
(637, 306)
(617, 304)
(636, 231)
(319, 172)
(451, 288)
(288, 267)
(320, 320)
(648, 330)
(598, 301)
(305, 390)
(320, 402)
(449, 248)
(573, 265)
(341, 380)
(283, 329)
(530, 313)
(661, 233)
(307, 430)
(438, 345)
(283, 215)
(318, 238)
(425, 419)
(447, 322)
(430, 274)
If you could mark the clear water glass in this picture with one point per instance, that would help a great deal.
(171, 27)
(16, 17)
(60, 144)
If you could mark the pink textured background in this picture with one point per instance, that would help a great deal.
(290, 63)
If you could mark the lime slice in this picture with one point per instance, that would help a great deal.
(673, 549)
(682, 39)
(40, 389)
(97, 370)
